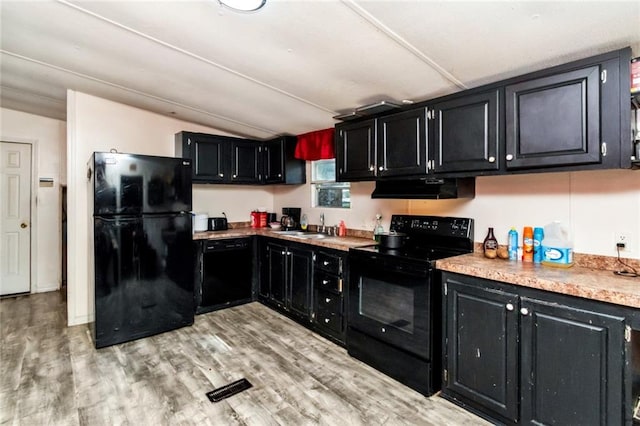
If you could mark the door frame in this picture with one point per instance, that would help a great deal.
(33, 216)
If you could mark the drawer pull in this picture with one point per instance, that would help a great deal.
(325, 263)
(327, 300)
(325, 282)
(326, 320)
(524, 311)
(510, 307)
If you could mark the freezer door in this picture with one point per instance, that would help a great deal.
(139, 184)
(144, 276)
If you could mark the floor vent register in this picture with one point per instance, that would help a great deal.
(228, 390)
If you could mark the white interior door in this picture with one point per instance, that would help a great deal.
(15, 218)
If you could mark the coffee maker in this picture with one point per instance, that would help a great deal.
(293, 213)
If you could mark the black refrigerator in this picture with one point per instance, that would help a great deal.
(143, 251)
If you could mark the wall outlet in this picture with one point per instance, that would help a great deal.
(621, 238)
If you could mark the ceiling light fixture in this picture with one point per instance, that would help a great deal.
(243, 5)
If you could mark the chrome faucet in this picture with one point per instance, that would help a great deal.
(322, 228)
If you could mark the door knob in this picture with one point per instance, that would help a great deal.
(23, 225)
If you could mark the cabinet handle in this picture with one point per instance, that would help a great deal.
(221, 175)
(326, 320)
(340, 285)
(509, 157)
(492, 159)
(279, 175)
(327, 300)
(372, 168)
(283, 253)
(325, 263)
(381, 168)
(325, 282)
(234, 176)
(509, 307)
(384, 330)
(524, 311)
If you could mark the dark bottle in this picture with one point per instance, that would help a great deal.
(490, 245)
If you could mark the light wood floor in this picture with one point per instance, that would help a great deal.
(51, 374)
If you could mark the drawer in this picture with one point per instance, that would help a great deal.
(328, 262)
(325, 281)
(329, 321)
(329, 302)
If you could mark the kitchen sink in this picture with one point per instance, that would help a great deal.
(303, 235)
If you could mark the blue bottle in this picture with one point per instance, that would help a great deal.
(513, 244)
(538, 235)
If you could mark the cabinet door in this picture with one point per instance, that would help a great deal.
(481, 355)
(273, 160)
(300, 281)
(277, 273)
(245, 161)
(554, 121)
(208, 155)
(466, 133)
(402, 144)
(356, 151)
(572, 365)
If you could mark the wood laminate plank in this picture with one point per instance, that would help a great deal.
(52, 374)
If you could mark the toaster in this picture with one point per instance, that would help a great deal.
(218, 224)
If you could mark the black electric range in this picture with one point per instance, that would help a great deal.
(395, 301)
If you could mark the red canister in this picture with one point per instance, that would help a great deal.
(255, 219)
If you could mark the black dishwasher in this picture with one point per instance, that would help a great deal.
(226, 272)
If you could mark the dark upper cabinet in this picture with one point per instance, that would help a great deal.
(574, 116)
(402, 144)
(482, 351)
(554, 120)
(526, 356)
(356, 151)
(279, 162)
(208, 154)
(466, 133)
(245, 162)
(572, 365)
(223, 159)
(273, 161)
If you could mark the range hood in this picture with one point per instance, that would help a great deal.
(426, 189)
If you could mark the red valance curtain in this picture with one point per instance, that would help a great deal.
(316, 145)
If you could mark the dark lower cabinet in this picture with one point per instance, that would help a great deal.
(286, 280)
(482, 347)
(533, 357)
(572, 365)
(328, 309)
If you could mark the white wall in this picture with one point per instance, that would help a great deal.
(595, 205)
(95, 124)
(361, 215)
(48, 139)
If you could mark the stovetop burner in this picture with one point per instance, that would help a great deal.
(428, 238)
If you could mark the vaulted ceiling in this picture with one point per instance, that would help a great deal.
(293, 65)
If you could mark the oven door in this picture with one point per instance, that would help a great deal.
(389, 299)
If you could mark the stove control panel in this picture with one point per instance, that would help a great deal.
(455, 227)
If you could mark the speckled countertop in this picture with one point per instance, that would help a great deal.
(336, 243)
(602, 285)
